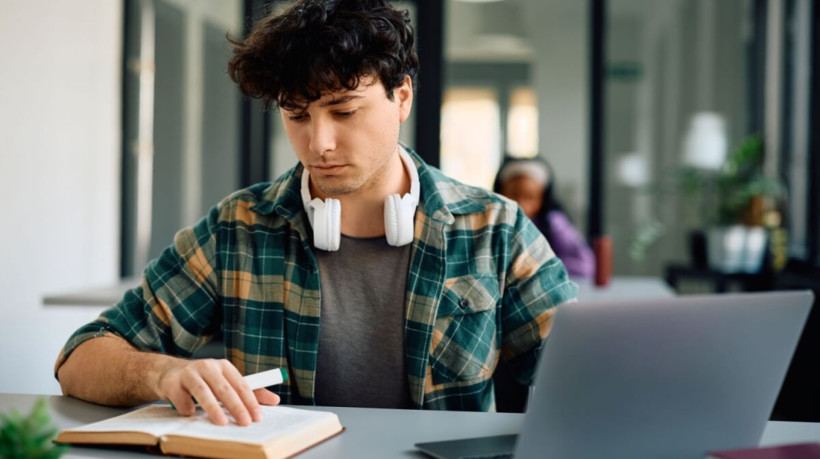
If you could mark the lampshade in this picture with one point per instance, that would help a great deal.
(705, 144)
(633, 171)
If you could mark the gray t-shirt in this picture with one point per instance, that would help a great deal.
(361, 330)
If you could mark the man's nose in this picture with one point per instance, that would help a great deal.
(322, 136)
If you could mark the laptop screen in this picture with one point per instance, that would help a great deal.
(662, 378)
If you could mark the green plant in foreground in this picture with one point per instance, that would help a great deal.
(29, 437)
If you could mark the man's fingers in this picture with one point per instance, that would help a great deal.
(266, 397)
(201, 391)
(217, 386)
(246, 397)
(227, 394)
(182, 403)
(218, 390)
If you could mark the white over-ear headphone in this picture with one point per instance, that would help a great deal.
(399, 212)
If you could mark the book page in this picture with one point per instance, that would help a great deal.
(157, 420)
(276, 421)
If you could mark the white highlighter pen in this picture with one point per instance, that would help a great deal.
(267, 378)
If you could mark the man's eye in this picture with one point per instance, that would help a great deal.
(297, 117)
(345, 114)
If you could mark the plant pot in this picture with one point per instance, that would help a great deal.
(736, 249)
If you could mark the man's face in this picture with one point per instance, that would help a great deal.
(347, 138)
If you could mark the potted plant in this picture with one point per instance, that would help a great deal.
(29, 437)
(738, 201)
(733, 202)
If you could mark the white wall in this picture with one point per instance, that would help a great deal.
(59, 174)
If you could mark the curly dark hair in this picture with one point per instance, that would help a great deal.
(291, 59)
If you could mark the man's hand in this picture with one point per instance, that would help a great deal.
(109, 371)
(210, 382)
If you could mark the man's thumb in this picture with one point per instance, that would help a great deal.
(266, 397)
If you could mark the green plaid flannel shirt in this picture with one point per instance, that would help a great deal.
(482, 285)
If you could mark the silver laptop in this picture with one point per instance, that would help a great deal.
(664, 378)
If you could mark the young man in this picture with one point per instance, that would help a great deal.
(374, 279)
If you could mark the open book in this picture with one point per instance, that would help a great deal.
(283, 432)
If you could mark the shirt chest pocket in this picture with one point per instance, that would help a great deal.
(464, 335)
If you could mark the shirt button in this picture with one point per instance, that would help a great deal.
(464, 303)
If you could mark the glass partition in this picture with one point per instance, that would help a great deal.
(180, 120)
(682, 92)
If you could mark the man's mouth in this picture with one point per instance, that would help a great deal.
(327, 169)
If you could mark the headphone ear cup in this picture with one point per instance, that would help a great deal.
(392, 209)
(326, 224)
(399, 216)
(334, 224)
(406, 219)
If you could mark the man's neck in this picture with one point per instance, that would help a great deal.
(363, 211)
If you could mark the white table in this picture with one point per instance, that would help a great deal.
(624, 288)
(371, 433)
(619, 288)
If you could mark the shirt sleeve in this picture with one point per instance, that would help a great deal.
(570, 246)
(174, 309)
(537, 282)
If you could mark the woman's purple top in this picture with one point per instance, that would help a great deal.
(570, 246)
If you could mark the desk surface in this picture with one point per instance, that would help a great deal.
(371, 433)
(624, 288)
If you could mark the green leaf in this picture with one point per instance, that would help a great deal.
(29, 437)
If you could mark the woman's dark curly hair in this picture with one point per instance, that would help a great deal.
(315, 46)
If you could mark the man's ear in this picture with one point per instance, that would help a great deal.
(404, 96)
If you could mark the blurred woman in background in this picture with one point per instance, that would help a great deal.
(530, 182)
